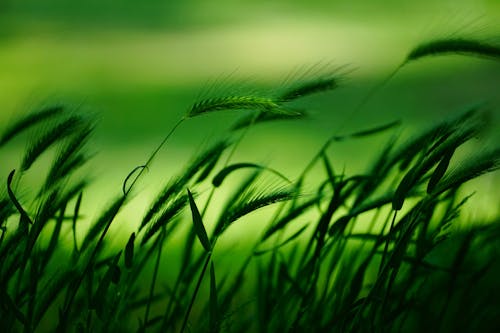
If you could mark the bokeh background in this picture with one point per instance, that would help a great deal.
(138, 65)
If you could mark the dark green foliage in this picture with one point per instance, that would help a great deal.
(379, 251)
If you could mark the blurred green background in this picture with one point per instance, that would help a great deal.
(139, 65)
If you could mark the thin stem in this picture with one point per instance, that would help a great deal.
(210, 196)
(354, 113)
(153, 155)
(64, 314)
(229, 156)
(153, 282)
(368, 96)
(200, 278)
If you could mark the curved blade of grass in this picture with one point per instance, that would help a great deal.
(199, 228)
(125, 189)
(75, 219)
(219, 178)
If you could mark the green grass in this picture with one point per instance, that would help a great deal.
(375, 251)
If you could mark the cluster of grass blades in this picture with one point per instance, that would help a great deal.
(312, 269)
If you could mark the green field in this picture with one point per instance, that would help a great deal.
(350, 260)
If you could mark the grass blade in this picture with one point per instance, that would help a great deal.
(75, 219)
(199, 228)
(129, 251)
(440, 170)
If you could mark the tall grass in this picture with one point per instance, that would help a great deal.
(313, 268)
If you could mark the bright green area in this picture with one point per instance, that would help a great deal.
(140, 65)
